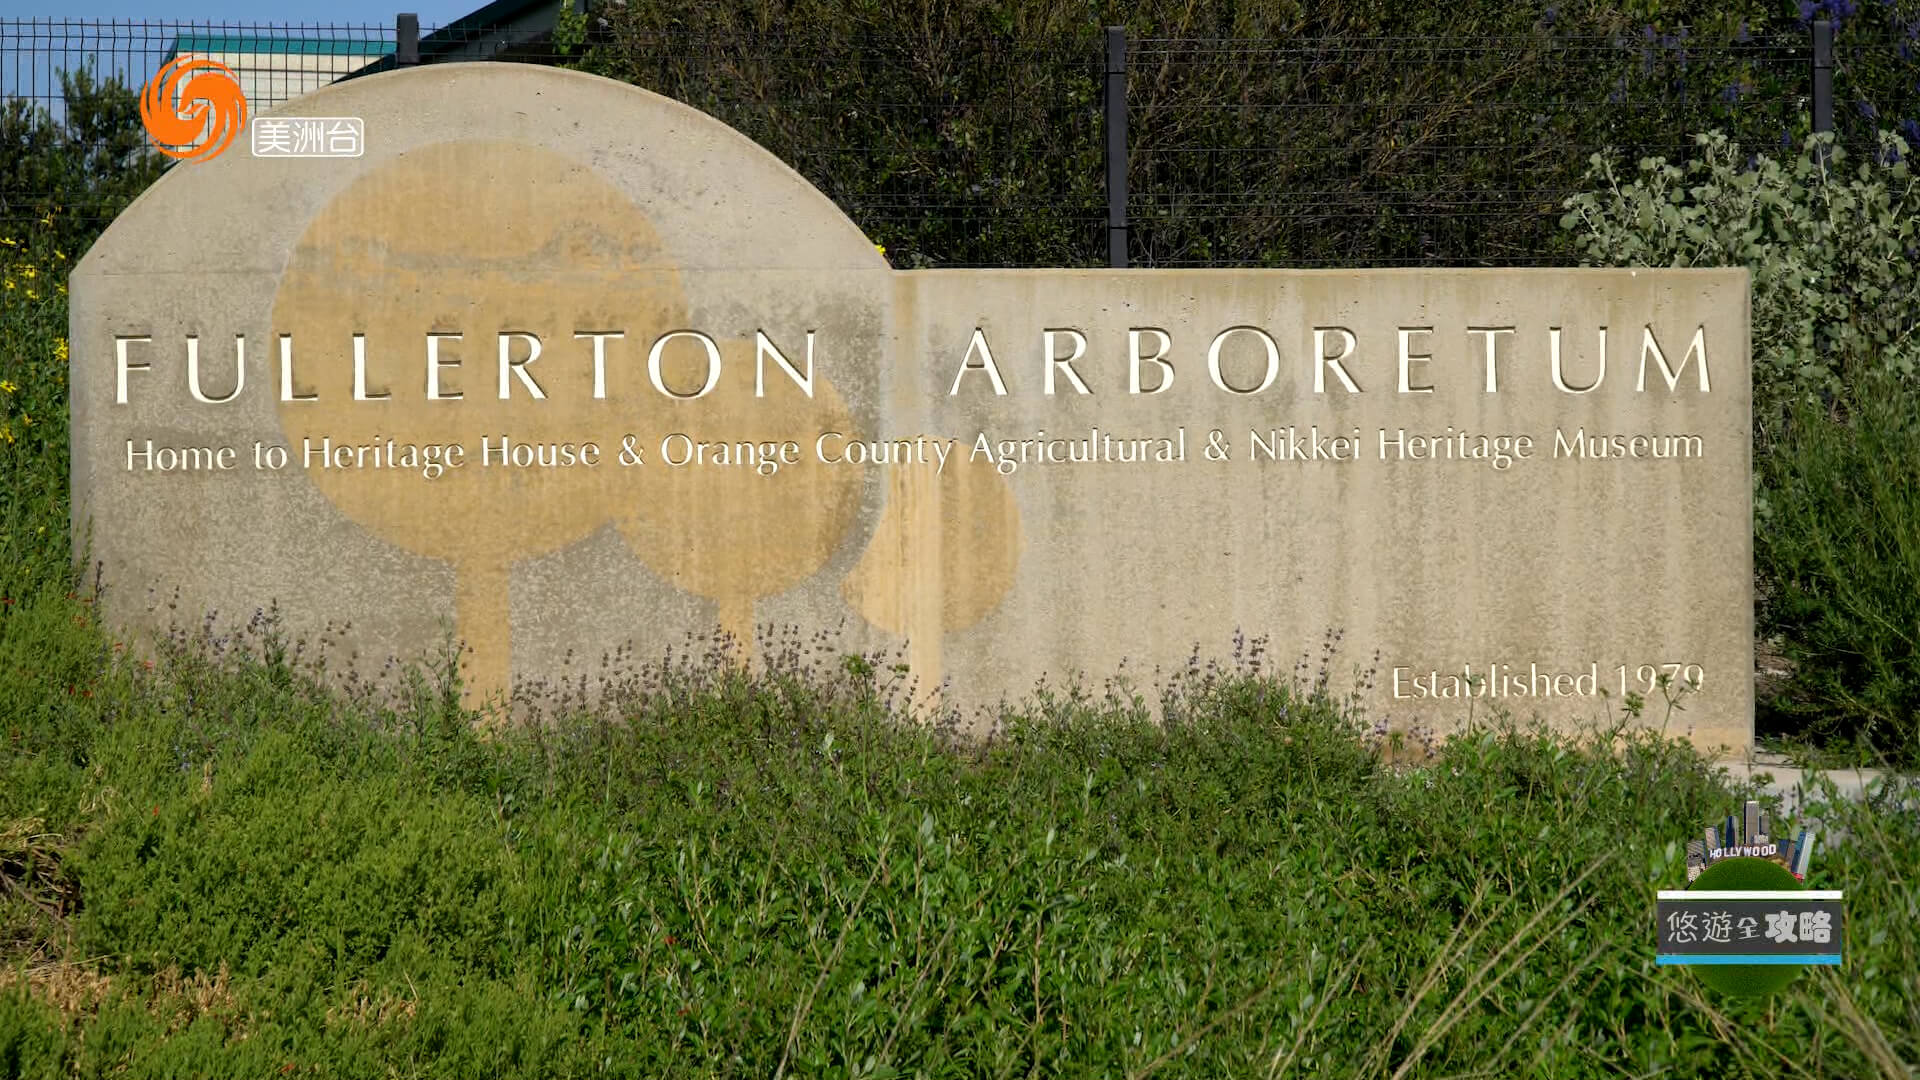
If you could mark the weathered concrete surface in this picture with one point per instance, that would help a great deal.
(490, 198)
(1334, 451)
(1448, 566)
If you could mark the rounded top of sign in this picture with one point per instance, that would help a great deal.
(715, 199)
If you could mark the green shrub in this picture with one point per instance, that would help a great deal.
(768, 873)
(1350, 133)
(34, 551)
(1833, 245)
(79, 165)
(1841, 549)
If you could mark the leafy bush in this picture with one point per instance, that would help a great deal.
(1363, 132)
(1833, 245)
(1841, 548)
(771, 874)
(82, 167)
(34, 551)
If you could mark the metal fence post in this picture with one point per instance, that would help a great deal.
(1822, 78)
(406, 35)
(1116, 146)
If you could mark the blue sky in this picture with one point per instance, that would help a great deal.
(85, 32)
(324, 12)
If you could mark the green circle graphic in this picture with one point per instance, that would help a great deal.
(1747, 980)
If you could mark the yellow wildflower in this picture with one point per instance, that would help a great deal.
(31, 295)
(61, 255)
(7, 386)
(62, 288)
(25, 420)
(9, 241)
(48, 220)
(6, 433)
(28, 271)
(9, 283)
(59, 348)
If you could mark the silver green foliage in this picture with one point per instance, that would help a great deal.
(1832, 242)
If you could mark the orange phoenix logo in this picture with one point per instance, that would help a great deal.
(192, 108)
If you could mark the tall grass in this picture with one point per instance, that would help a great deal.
(233, 870)
(233, 858)
(1842, 544)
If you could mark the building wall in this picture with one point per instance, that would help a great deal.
(270, 79)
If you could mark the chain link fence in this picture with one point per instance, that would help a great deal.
(990, 151)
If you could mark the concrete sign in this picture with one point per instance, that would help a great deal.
(563, 365)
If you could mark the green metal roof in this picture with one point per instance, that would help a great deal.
(280, 46)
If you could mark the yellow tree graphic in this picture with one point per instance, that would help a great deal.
(496, 241)
(941, 558)
(732, 533)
